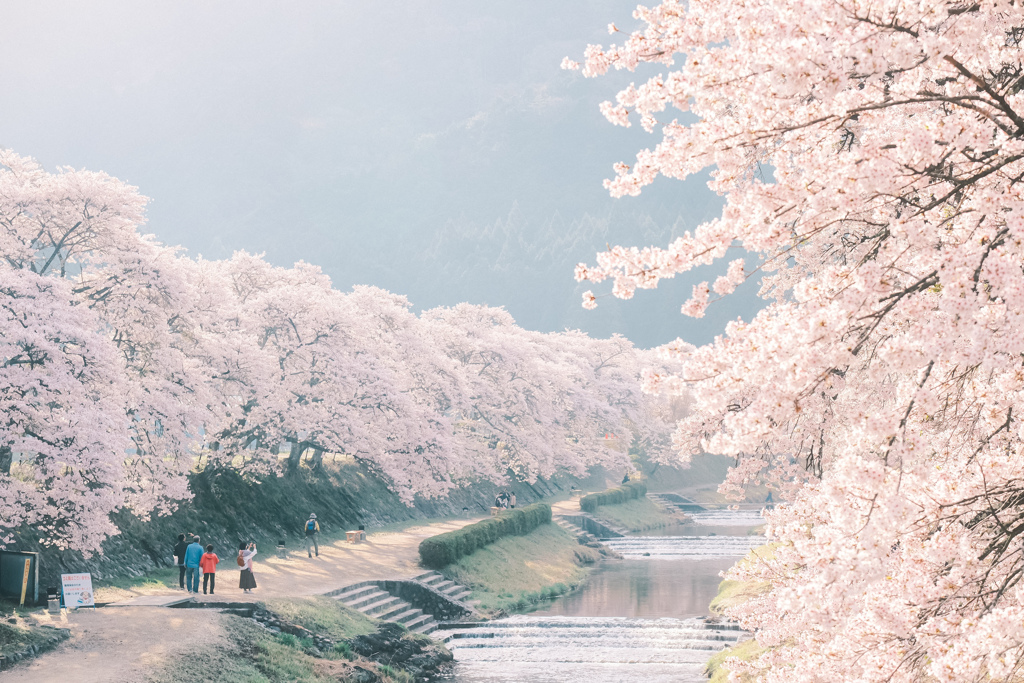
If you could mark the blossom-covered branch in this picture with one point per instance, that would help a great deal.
(880, 389)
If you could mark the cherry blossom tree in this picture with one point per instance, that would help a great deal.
(82, 227)
(61, 397)
(347, 375)
(870, 154)
(537, 403)
(129, 366)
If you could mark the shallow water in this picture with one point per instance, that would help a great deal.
(636, 619)
(683, 547)
(726, 518)
(641, 588)
(591, 649)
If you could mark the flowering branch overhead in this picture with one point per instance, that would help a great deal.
(880, 387)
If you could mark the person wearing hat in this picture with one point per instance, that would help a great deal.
(312, 532)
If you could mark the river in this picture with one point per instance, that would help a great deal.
(636, 619)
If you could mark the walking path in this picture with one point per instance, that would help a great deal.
(124, 643)
(119, 644)
(383, 555)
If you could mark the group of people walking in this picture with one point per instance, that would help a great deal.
(194, 562)
(505, 500)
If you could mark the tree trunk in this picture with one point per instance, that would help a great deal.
(6, 458)
(295, 456)
(317, 460)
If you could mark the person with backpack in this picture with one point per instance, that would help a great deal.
(246, 579)
(179, 559)
(193, 553)
(208, 563)
(312, 534)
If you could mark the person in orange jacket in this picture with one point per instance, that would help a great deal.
(208, 562)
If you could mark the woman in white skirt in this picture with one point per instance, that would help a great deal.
(246, 580)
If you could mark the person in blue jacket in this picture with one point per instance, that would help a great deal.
(193, 553)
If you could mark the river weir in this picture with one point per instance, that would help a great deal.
(734, 518)
(591, 649)
(683, 547)
(639, 618)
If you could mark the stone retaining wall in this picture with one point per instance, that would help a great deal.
(423, 597)
(32, 651)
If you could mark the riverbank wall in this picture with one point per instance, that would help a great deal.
(227, 508)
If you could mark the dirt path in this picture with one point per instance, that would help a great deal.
(384, 555)
(570, 506)
(123, 643)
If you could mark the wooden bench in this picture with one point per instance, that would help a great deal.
(355, 536)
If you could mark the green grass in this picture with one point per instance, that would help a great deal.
(733, 593)
(640, 514)
(746, 651)
(17, 633)
(120, 588)
(253, 655)
(323, 615)
(516, 572)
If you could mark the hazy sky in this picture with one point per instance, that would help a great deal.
(431, 148)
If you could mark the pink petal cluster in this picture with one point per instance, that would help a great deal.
(871, 154)
(125, 365)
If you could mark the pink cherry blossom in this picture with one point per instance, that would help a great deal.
(870, 154)
(127, 365)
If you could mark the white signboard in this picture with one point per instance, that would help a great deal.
(77, 590)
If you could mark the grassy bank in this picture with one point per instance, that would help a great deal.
(745, 651)
(323, 615)
(17, 633)
(155, 582)
(251, 654)
(637, 515)
(515, 572)
(731, 594)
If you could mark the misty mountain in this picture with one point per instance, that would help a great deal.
(435, 149)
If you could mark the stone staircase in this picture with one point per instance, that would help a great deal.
(379, 604)
(450, 589)
(373, 601)
(590, 524)
(583, 536)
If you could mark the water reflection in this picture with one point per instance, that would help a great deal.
(661, 639)
(641, 588)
